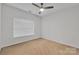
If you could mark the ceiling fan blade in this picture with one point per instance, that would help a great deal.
(49, 7)
(35, 5)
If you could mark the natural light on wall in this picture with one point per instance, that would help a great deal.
(23, 27)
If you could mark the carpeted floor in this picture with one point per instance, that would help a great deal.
(39, 47)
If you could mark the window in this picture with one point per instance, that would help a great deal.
(23, 27)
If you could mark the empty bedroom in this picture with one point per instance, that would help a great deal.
(39, 28)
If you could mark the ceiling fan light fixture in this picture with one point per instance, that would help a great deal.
(42, 9)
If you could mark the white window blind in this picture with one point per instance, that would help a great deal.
(23, 27)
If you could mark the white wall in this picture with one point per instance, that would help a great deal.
(8, 14)
(62, 26)
(0, 25)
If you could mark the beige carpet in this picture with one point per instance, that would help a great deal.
(39, 47)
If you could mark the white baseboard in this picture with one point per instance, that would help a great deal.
(65, 43)
(8, 43)
(17, 40)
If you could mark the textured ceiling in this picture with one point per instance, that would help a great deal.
(34, 10)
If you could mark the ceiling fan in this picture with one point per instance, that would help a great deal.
(42, 8)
